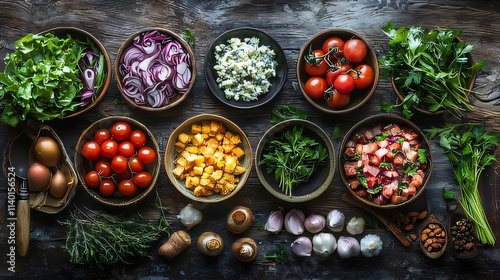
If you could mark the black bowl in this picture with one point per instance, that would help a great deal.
(277, 81)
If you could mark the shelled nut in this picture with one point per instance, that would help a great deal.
(433, 237)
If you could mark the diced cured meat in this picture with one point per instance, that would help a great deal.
(369, 135)
(395, 130)
(354, 184)
(372, 170)
(350, 168)
(370, 148)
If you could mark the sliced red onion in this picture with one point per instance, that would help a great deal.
(89, 64)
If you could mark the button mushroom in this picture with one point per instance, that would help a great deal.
(245, 249)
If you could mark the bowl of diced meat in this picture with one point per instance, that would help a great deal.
(385, 161)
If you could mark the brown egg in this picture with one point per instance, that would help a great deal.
(38, 177)
(58, 185)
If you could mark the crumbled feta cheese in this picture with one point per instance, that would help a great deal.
(244, 68)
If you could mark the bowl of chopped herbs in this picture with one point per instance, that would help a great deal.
(432, 70)
(58, 73)
(245, 68)
(295, 160)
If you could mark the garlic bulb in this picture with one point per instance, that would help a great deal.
(302, 246)
(335, 220)
(371, 245)
(324, 244)
(355, 226)
(315, 223)
(189, 216)
(348, 247)
(274, 222)
(294, 222)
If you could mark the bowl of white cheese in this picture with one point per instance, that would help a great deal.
(245, 68)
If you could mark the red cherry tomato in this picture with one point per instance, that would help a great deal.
(355, 50)
(143, 179)
(336, 100)
(315, 65)
(363, 76)
(335, 71)
(332, 42)
(146, 155)
(109, 148)
(135, 164)
(315, 87)
(91, 150)
(92, 179)
(103, 168)
(344, 84)
(107, 187)
(102, 135)
(127, 175)
(127, 188)
(138, 139)
(121, 131)
(126, 149)
(119, 164)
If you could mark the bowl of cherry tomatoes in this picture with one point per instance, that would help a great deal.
(117, 161)
(337, 71)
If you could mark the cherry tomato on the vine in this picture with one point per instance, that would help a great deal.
(363, 76)
(107, 187)
(127, 175)
(143, 179)
(135, 164)
(336, 100)
(92, 179)
(344, 84)
(103, 168)
(316, 65)
(126, 149)
(355, 50)
(119, 164)
(121, 131)
(146, 155)
(102, 135)
(137, 138)
(315, 87)
(127, 188)
(109, 148)
(332, 42)
(91, 150)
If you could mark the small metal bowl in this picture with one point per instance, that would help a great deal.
(178, 96)
(318, 182)
(277, 81)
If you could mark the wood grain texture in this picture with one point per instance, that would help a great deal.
(291, 23)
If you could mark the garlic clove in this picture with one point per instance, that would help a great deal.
(294, 222)
(356, 225)
(335, 220)
(302, 246)
(210, 244)
(274, 222)
(189, 216)
(348, 247)
(324, 244)
(239, 219)
(315, 223)
(245, 249)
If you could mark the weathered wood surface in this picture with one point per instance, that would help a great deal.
(291, 23)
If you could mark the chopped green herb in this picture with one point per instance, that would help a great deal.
(279, 255)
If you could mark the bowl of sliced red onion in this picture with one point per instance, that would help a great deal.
(155, 69)
(385, 161)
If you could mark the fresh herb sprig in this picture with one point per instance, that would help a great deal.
(285, 112)
(279, 255)
(470, 149)
(293, 157)
(101, 239)
(429, 67)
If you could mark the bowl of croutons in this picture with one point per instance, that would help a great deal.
(210, 158)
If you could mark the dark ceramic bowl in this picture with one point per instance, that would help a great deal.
(358, 97)
(318, 181)
(277, 81)
(83, 35)
(178, 95)
(358, 131)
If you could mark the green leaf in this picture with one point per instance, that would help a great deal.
(448, 194)
(336, 132)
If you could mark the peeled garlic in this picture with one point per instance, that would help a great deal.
(315, 223)
(190, 216)
(335, 220)
(356, 225)
(294, 222)
(274, 222)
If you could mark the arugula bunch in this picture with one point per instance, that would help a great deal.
(293, 157)
(41, 80)
(470, 149)
(430, 68)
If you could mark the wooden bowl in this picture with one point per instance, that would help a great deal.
(173, 150)
(321, 178)
(361, 193)
(148, 92)
(431, 223)
(83, 166)
(462, 250)
(358, 97)
(277, 81)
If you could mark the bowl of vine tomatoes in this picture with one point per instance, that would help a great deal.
(337, 71)
(117, 161)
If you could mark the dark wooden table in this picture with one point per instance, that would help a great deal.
(291, 23)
